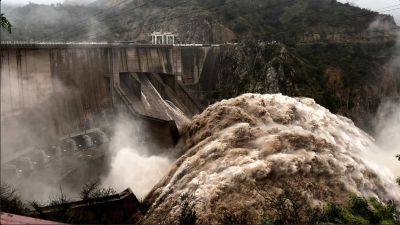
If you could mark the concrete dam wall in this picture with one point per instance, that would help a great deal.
(70, 88)
(59, 102)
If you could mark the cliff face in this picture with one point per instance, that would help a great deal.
(359, 77)
(351, 79)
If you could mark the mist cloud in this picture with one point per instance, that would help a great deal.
(375, 5)
(387, 119)
(132, 164)
(388, 135)
(27, 128)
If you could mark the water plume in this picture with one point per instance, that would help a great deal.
(242, 149)
(387, 132)
(387, 118)
(132, 164)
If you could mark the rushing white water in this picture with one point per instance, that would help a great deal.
(132, 165)
(241, 149)
(131, 169)
(159, 107)
(387, 130)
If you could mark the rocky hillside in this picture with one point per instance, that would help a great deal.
(330, 52)
(200, 21)
(349, 79)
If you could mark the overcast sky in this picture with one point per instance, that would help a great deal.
(34, 1)
(21, 2)
(379, 5)
(370, 4)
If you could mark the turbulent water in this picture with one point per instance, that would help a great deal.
(242, 149)
(131, 163)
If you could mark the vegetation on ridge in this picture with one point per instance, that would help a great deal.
(4, 23)
(348, 79)
(200, 21)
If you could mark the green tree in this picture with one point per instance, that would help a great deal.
(5, 24)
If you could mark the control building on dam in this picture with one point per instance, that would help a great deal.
(71, 93)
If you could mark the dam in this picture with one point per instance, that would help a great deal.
(58, 101)
(32, 74)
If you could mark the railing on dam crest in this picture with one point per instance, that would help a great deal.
(41, 44)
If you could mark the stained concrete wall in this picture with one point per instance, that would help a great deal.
(185, 62)
(69, 88)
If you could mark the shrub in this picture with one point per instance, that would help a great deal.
(93, 190)
(10, 200)
(360, 211)
(240, 218)
(89, 191)
(58, 199)
(188, 214)
(267, 221)
(291, 208)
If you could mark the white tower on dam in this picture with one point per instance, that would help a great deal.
(160, 38)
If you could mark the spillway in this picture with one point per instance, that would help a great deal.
(63, 99)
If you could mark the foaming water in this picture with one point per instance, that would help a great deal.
(139, 172)
(160, 107)
(132, 165)
(241, 149)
